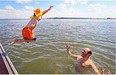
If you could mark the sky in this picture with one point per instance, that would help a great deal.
(62, 8)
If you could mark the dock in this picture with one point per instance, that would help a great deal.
(6, 66)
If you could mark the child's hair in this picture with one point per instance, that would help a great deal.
(34, 15)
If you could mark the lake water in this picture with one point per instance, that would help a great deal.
(48, 54)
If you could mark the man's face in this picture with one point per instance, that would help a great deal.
(84, 52)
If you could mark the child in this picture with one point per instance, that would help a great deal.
(27, 31)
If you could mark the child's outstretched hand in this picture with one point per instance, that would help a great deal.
(50, 7)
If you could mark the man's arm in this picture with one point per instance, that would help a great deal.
(45, 11)
(97, 71)
(69, 52)
(95, 68)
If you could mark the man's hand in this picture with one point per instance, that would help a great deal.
(67, 46)
(103, 72)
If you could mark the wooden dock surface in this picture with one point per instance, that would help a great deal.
(6, 66)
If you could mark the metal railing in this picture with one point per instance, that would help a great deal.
(6, 60)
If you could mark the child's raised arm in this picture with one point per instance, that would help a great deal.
(45, 11)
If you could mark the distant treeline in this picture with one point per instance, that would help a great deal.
(54, 18)
(77, 18)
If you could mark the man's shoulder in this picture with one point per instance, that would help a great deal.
(79, 56)
(91, 62)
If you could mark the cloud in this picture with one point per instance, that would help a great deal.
(63, 13)
(73, 2)
(97, 5)
(101, 10)
(96, 10)
(23, 1)
(67, 8)
(10, 12)
(62, 6)
(9, 7)
(83, 1)
(29, 7)
(112, 11)
(36, 2)
(70, 2)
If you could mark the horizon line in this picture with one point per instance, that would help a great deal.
(65, 18)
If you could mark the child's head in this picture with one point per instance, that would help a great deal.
(38, 12)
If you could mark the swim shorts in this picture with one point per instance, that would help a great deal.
(28, 34)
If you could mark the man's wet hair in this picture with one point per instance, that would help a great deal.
(90, 52)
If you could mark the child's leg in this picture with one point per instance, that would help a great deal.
(20, 40)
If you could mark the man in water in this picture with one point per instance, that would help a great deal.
(27, 31)
(83, 59)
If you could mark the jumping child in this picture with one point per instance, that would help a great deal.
(27, 31)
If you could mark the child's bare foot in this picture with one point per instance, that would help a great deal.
(13, 41)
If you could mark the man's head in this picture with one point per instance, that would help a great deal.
(86, 52)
